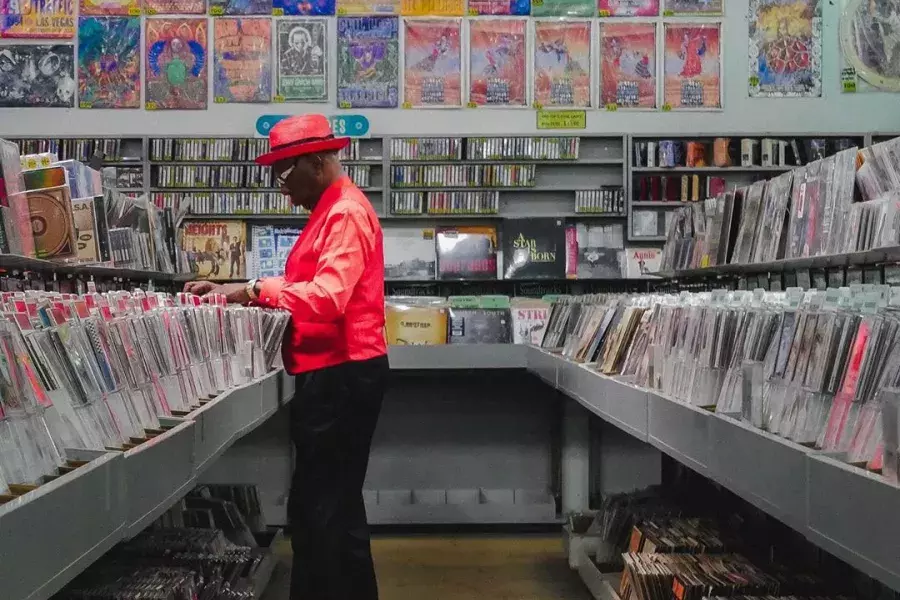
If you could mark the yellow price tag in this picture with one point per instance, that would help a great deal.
(669, 13)
(471, 105)
(667, 107)
(407, 105)
(612, 107)
(217, 11)
(134, 11)
(754, 81)
(85, 104)
(341, 12)
(151, 105)
(537, 2)
(604, 13)
(561, 119)
(277, 12)
(473, 12)
(150, 11)
(537, 105)
(278, 99)
(220, 100)
(344, 104)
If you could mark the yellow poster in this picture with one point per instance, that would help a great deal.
(433, 8)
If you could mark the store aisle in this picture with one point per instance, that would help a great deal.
(463, 568)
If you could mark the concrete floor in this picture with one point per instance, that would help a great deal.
(469, 567)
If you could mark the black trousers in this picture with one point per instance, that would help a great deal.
(333, 417)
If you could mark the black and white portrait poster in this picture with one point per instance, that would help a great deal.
(302, 60)
(37, 76)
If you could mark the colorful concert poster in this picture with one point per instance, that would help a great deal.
(433, 8)
(368, 62)
(689, 8)
(37, 19)
(432, 53)
(629, 8)
(243, 60)
(498, 72)
(314, 8)
(563, 8)
(628, 64)
(562, 63)
(175, 7)
(118, 8)
(240, 7)
(302, 67)
(368, 7)
(37, 76)
(109, 62)
(177, 60)
(692, 66)
(499, 7)
(785, 48)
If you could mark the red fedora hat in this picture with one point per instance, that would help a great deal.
(298, 135)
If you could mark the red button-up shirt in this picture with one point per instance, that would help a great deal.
(333, 284)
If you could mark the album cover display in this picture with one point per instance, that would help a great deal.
(242, 67)
(498, 70)
(468, 252)
(628, 64)
(409, 253)
(480, 326)
(529, 318)
(692, 63)
(52, 222)
(177, 60)
(534, 249)
(408, 324)
(601, 252)
(271, 247)
(642, 262)
(432, 54)
(218, 248)
(103, 83)
(562, 63)
(368, 62)
(302, 60)
(37, 76)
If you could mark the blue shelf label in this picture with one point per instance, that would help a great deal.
(342, 125)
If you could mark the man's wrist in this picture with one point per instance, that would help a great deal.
(253, 289)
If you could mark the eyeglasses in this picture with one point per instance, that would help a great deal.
(281, 179)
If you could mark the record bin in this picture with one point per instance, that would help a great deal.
(679, 430)
(270, 398)
(626, 406)
(53, 533)
(458, 356)
(219, 422)
(545, 365)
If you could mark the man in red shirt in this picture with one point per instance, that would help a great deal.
(333, 286)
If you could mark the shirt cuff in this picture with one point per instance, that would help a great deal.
(269, 289)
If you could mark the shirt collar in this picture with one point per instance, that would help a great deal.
(331, 194)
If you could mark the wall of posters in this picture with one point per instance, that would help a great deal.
(240, 7)
(304, 7)
(692, 66)
(174, 7)
(368, 7)
(499, 7)
(243, 60)
(498, 73)
(562, 63)
(302, 60)
(433, 8)
(37, 19)
(33, 76)
(432, 54)
(109, 62)
(628, 64)
(785, 48)
(110, 7)
(870, 51)
(693, 7)
(368, 62)
(629, 8)
(176, 63)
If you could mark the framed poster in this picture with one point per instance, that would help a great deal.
(498, 66)
(317, 8)
(240, 7)
(368, 62)
(693, 8)
(628, 64)
(35, 19)
(176, 63)
(563, 8)
(120, 8)
(37, 76)
(562, 63)
(242, 71)
(302, 60)
(499, 7)
(104, 82)
(433, 8)
(785, 48)
(692, 66)
(174, 7)
(870, 53)
(628, 8)
(432, 55)
(368, 7)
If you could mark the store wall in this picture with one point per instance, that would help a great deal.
(833, 112)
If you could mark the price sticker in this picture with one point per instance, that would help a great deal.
(216, 11)
(471, 105)
(473, 12)
(85, 104)
(669, 13)
(151, 105)
(407, 105)
(754, 81)
(344, 104)
(667, 107)
(150, 11)
(848, 86)
(604, 13)
(341, 12)
(278, 99)
(134, 11)
(537, 2)
(277, 12)
(612, 107)
(537, 105)
(220, 100)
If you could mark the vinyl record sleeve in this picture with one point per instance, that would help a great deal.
(243, 60)
(302, 60)
(534, 248)
(368, 62)
(480, 326)
(103, 83)
(628, 64)
(177, 60)
(562, 63)
(529, 318)
(217, 247)
(415, 325)
(432, 54)
(409, 254)
(52, 223)
(498, 69)
(467, 252)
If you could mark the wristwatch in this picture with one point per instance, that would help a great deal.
(251, 289)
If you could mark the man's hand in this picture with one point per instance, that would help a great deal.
(235, 293)
(199, 288)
